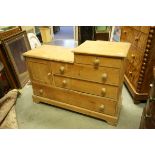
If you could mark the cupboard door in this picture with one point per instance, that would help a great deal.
(40, 71)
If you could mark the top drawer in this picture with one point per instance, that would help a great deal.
(98, 61)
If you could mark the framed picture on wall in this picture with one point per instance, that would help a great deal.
(15, 46)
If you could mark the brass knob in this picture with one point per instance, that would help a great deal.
(136, 38)
(101, 107)
(49, 74)
(64, 83)
(103, 91)
(104, 76)
(96, 62)
(40, 91)
(62, 69)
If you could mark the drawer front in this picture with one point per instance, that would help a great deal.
(98, 61)
(134, 36)
(87, 87)
(135, 56)
(132, 73)
(39, 70)
(136, 27)
(127, 34)
(145, 29)
(140, 39)
(86, 101)
(103, 75)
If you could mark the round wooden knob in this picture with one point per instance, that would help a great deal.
(149, 41)
(150, 35)
(130, 73)
(49, 74)
(104, 76)
(133, 56)
(40, 91)
(64, 83)
(101, 107)
(96, 62)
(62, 69)
(103, 91)
(152, 31)
(125, 32)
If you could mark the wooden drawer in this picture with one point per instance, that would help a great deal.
(140, 39)
(87, 87)
(135, 56)
(127, 34)
(86, 101)
(98, 61)
(145, 29)
(39, 71)
(136, 27)
(103, 75)
(132, 73)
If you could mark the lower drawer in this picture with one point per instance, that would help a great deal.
(87, 87)
(82, 100)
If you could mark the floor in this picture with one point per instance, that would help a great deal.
(66, 32)
(43, 116)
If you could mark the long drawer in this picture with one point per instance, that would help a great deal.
(104, 75)
(87, 87)
(86, 101)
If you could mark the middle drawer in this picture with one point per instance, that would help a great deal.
(104, 75)
(87, 87)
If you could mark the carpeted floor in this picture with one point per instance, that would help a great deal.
(66, 32)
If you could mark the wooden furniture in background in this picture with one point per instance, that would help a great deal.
(102, 33)
(140, 59)
(85, 33)
(148, 115)
(13, 43)
(87, 79)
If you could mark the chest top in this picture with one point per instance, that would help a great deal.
(51, 52)
(62, 54)
(103, 48)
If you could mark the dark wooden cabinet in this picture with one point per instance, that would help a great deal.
(148, 115)
(13, 44)
(140, 60)
(85, 33)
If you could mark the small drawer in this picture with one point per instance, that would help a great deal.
(127, 34)
(136, 27)
(145, 29)
(140, 40)
(87, 87)
(135, 56)
(104, 75)
(98, 61)
(78, 99)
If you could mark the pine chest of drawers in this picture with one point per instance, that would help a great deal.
(87, 79)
